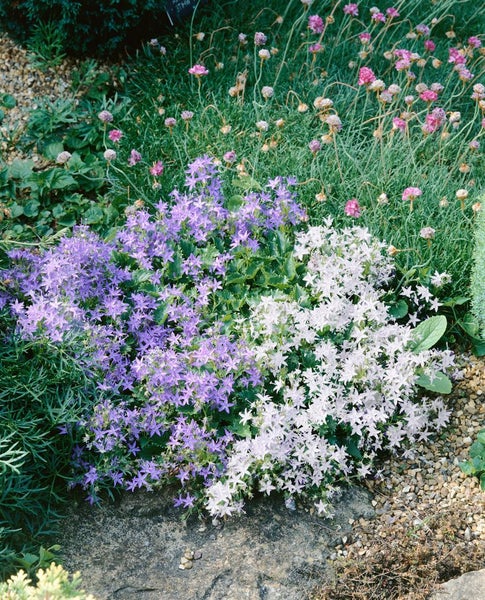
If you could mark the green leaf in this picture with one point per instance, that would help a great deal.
(481, 437)
(93, 215)
(482, 482)
(290, 267)
(20, 169)
(427, 333)
(246, 183)
(60, 180)
(8, 101)
(470, 325)
(2, 115)
(67, 220)
(477, 449)
(440, 384)
(399, 309)
(478, 347)
(16, 210)
(458, 301)
(235, 202)
(31, 209)
(467, 468)
(51, 151)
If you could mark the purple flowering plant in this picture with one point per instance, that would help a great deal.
(145, 314)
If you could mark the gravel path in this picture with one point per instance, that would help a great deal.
(430, 521)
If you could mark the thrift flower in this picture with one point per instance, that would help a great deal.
(366, 76)
(314, 146)
(156, 169)
(260, 39)
(352, 208)
(429, 96)
(392, 12)
(63, 157)
(186, 115)
(262, 125)
(411, 193)
(315, 24)
(135, 157)
(429, 46)
(315, 48)
(427, 233)
(365, 37)
(264, 54)
(115, 135)
(474, 41)
(267, 92)
(105, 116)
(198, 70)
(230, 157)
(109, 154)
(351, 9)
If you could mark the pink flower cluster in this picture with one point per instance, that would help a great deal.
(434, 120)
(351, 9)
(352, 208)
(366, 76)
(198, 70)
(315, 24)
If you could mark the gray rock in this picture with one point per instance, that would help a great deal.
(470, 586)
(133, 549)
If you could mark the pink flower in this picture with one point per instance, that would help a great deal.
(315, 24)
(230, 157)
(198, 70)
(351, 9)
(157, 169)
(378, 16)
(135, 157)
(392, 12)
(429, 45)
(315, 48)
(398, 123)
(429, 96)
(105, 116)
(115, 135)
(352, 208)
(411, 193)
(423, 29)
(365, 37)
(314, 146)
(366, 76)
(260, 39)
(170, 122)
(434, 120)
(474, 41)
(456, 56)
(402, 64)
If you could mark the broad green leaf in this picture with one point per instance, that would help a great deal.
(67, 220)
(20, 169)
(52, 150)
(481, 437)
(467, 468)
(60, 180)
(290, 267)
(427, 333)
(482, 482)
(16, 210)
(477, 449)
(441, 384)
(470, 325)
(2, 115)
(478, 347)
(235, 202)
(93, 215)
(399, 309)
(31, 209)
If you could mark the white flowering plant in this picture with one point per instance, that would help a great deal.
(343, 378)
